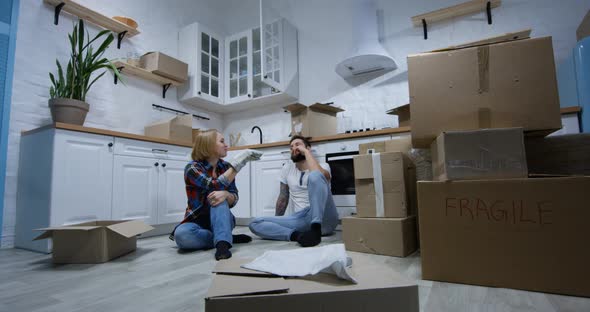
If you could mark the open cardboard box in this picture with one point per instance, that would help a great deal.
(314, 120)
(379, 288)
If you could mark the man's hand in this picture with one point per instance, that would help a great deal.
(303, 150)
(217, 197)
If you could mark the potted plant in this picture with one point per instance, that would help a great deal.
(69, 88)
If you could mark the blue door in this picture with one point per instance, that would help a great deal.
(8, 18)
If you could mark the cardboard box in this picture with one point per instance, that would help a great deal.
(164, 65)
(479, 154)
(583, 30)
(179, 128)
(315, 120)
(403, 115)
(384, 185)
(400, 144)
(382, 236)
(378, 288)
(195, 134)
(563, 155)
(93, 242)
(515, 233)
(501, 85)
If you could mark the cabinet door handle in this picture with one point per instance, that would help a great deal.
(156, 164)
(265, 76)
(249, 95)
(164, 165)
(111, 144)
(159, 150)
(285, 152)
(199, 93)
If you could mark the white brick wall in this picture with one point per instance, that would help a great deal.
(119, 107)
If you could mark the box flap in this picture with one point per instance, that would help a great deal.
(130, 228)
(49, 230)
(235, 285)
(294, 108)
(162, 121)
(523, 34)
(325, 108)
(400, 109)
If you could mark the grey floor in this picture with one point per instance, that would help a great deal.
(158, 278)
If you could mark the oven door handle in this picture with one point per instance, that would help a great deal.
(332, 158)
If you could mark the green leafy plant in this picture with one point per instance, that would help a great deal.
(75, 82)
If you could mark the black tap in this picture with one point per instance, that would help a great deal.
(257, 127)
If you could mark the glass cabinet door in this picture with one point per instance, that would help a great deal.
(210, 64)
(271, 54)
(239, 67)
(259, 88)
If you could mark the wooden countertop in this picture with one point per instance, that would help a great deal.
(59, 125)
(341, 136)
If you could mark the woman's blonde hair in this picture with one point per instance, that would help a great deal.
(204, 146)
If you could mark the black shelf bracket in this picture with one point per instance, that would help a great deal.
(425, 27)
(119, 69)
(120, 37)
(160, 107)
(489, 12)
(164, 89)
(57, 11)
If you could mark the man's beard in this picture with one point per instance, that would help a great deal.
(297, 157)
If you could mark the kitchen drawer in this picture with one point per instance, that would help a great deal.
(128, 147)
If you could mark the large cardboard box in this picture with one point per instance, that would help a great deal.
(93, 242)
(399, 144)
(515, 233)
(403, 115)
(382, 236)
(315, 120)
(164, 65)
(500, 85)
(479, 154)
(179, 128)
(384, 185)
(583, 30)
(379, 288)
(563, 154)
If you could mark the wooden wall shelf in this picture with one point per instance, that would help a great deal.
(130, 70)
(93, 17)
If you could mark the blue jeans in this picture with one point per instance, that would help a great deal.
(321, 210)
(191, 236)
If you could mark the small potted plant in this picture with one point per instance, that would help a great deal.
(69, 88)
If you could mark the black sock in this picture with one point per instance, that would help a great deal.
(222, 250)
(312, 237)
(294, 236)
(241, 239)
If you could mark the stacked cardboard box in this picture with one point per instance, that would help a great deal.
(385, 187)
(484, 212)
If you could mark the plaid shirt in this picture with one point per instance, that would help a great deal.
(199, 181)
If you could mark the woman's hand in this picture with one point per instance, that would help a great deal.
(217, 197)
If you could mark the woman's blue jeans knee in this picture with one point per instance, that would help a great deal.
(192, 236)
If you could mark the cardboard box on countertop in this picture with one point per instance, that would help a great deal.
(384, 185)
(513, 233)
(382, 236)
(164, 65)
(479, 154)
(500, 85)
(378, 288)
(313, 121)
(399, 144)
(179, 128)
(93, 242)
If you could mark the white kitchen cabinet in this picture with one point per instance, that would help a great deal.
(280, 57)
(172, 200)
(238, 54)
(266, 186)
(65, 177)
(203, 51)
(243, 208)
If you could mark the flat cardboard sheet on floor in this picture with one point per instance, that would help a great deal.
(382, 236)
(380, 288)
(479, 154)
(507, 84)
(526, 234)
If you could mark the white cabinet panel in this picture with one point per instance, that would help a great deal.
(135, 189)
(243, 208)
(82, 177)
(172, 200)
(266, 183)
(128, 147)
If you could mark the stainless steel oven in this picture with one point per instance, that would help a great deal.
(342, 168)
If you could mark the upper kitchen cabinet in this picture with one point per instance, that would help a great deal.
(203, 50)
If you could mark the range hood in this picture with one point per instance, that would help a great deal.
(367, 55)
